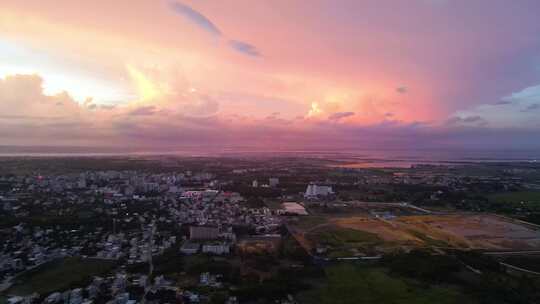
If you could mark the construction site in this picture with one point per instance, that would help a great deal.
(375, 233)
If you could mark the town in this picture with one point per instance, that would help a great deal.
(229, 230)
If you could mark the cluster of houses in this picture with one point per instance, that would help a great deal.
(124, 288)
(133, 217)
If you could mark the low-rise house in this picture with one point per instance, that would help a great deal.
(190, 248)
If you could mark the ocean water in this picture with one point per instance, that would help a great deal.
(355, 158)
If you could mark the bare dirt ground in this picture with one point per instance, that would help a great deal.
(479, 231)
(460, 231)
(387, 230)
(465, 231)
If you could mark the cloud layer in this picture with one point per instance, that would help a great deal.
(373, 73)
(197, 18)
(208, 26)
(58, 120)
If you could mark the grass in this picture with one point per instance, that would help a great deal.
(350, 283)
(516, 197)
(343, 242)
(338, 237)
(428, 240)
(59, 275)
(307, 222)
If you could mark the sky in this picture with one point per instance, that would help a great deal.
(271, 74)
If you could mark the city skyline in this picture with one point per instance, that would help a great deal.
(270, 74)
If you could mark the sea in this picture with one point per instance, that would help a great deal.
(348, 158)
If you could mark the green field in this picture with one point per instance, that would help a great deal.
(516, 197)
(343, 242)
(352, 284)
(307, 222)
(59, 275)
(338, 237)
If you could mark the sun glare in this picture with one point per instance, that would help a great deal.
(146, 88)
(315, 110)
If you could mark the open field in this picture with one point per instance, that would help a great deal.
(310, 222)
(516, 197)
(348, 283)
(386, 230)
(476, 231)
(58, 275)
(343, 242)
(524, 200)
(364, 208)
(358, 235)
(460, 231)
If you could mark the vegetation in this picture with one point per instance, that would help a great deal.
(338, 237)
(422, 265)
(343, 242)
(353, 283)
(491, 286)
(516, 197)
(307, 222)
(59, 275)
(285, 282)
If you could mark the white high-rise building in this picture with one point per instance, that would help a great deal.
(314, 190)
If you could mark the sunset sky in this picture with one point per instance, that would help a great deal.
(277, 74)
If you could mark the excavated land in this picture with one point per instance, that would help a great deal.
(460, 231)
(464, 231)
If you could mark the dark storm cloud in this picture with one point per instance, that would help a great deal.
(196, 18)
(208, 26)
(402, 90)
(469, 120)
(340, 115)
(244, 47)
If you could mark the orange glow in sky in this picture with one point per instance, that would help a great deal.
(267, 67)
